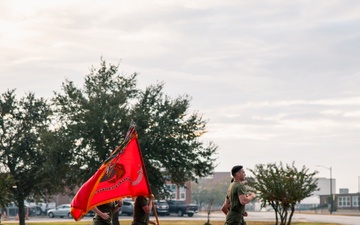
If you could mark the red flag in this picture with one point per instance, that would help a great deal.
(122, 175)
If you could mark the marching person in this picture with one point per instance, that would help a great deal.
(115, 218)
(142, 209)
(104, 213)
(237, 198)
(226, 205)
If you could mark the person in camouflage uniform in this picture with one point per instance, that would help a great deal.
(142, 209)
(237, 198)
(104, 213)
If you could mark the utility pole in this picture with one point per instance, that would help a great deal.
(332, 199)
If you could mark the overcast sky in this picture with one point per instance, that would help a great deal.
(277, 80)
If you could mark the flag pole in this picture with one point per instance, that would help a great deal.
(145, 174)
(155, 213)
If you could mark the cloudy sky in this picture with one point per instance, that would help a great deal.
(277, 80)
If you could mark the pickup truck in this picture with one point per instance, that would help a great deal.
(180, 207)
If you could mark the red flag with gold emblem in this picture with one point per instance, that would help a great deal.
(122, 175)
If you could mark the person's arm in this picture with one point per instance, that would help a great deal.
(245, 199)
(225, 207)
(105, 216)
(147, 208)
(118, 205)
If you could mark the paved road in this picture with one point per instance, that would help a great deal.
(301, 217)
(215, 216)
(298, 217)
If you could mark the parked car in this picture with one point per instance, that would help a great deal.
(127, 208)
(90, 213)
(162, 208)
(60, 211)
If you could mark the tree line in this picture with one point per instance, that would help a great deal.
(50, 146)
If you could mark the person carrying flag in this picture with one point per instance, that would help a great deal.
(142, 209)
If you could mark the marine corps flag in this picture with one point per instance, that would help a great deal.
(122, 175)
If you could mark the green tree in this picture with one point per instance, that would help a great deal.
(282, 187)
(207, 189)
(200, 195)
(97, 116)
(24, 155)
(169, 139)
(5, 184)
(57, 175)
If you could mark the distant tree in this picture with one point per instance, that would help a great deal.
(206, 189)
(24, 153)
(283, 187)
(219, 193)
(97, 116)
(200, 195)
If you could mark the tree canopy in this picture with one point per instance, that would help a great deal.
(24, 150)
(208, 190)
(282, 187)
(97, 116)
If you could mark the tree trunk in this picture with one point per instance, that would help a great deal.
(21, 213)
(291, 214)
(283, 215)
(276, 217)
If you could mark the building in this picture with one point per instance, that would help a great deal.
(314, 201)
(325, 187)
(343, 201)
(180, 192)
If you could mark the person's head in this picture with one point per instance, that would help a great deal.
(238, 173)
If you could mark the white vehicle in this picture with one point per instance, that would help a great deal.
(60, 211)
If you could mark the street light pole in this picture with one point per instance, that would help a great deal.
(331, 197)
(331, 192)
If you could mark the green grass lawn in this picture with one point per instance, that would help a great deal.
(162, 222)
